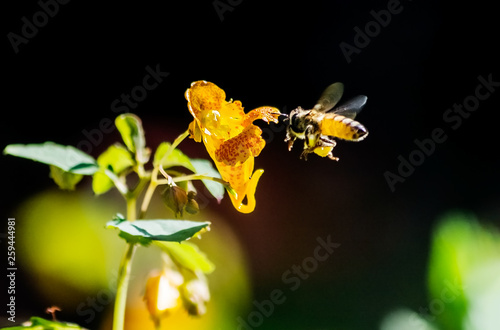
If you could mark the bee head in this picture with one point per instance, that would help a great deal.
(297, 121)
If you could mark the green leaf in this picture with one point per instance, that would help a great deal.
(67, 158)
(175, 158)
(463, 273)
(117, 159)
(457, 244)
(37, 323)
(159, 229)
(187, 255)
(65, 180)
(130, 128)
(205, 167)
(101, 183)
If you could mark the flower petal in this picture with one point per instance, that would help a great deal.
(267, 114)
(204, 95)
(251, 186)
(194, 131)
(237, 150)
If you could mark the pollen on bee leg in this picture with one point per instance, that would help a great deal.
(325, 152)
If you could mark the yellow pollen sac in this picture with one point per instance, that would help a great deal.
(323, 151)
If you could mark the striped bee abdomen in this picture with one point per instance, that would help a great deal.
(342, 127)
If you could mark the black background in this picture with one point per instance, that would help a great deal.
(283, 53)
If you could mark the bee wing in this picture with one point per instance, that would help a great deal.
(330, 96)
(352, 107)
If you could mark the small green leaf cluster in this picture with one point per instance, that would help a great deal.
(69, 165)
(124, 166)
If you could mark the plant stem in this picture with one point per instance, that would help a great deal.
(176, 142)
(131, 213)
(147, 198)
(154, 174)
(198, 177)
(131, 198)
(121, 292)
(121, 186)
(124, 273)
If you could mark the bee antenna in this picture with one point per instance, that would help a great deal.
(285, 114)
(284, 111)
(283, 117)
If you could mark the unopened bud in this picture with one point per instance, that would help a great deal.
(175, 198)
(192, 206)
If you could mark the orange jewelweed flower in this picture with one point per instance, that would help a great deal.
(230, 138)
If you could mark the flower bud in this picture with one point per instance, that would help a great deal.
(192, 206)
(175, 198)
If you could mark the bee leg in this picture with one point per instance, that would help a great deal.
(331, 157)
(304, 154)
(290, 140)
(290, 144)
(328, 142)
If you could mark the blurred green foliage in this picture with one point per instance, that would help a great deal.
(463, 279)
(63, 244)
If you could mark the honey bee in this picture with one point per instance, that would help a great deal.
(319, 126)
